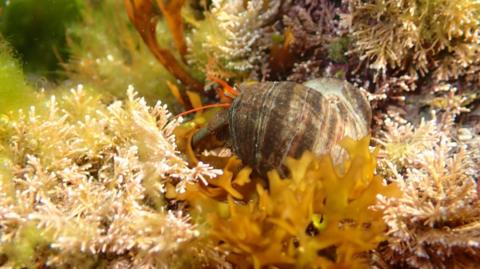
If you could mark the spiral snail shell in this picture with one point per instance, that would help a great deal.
(272, 120)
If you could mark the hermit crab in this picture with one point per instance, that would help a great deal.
(268, 121)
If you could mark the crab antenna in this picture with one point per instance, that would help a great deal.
(201, 108)
(225, 85)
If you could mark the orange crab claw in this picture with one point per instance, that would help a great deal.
(225, 86)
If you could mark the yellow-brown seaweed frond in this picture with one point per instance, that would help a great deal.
(316, 217)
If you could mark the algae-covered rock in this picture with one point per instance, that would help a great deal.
(36, 29)
(14, 91)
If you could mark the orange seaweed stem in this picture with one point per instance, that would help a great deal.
(172, 13)
(140, 13)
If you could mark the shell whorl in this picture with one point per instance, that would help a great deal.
(272, 120)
